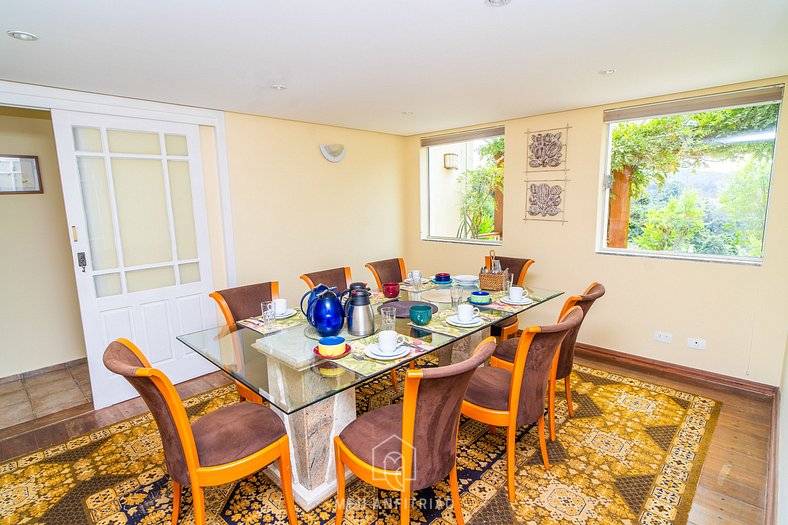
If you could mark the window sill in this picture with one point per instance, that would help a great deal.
(463, 241)
(745, 261)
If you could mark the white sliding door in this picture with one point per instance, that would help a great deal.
(136, 213)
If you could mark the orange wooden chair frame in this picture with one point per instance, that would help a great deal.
(510, 331)
(246, 393)
(202, 477)
(402, 271)
(310, 284)
(494, 361)
(508, 418)
(395, 480)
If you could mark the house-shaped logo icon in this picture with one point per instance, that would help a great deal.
(387, 455)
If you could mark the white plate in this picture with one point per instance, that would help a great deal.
(466, 278)
(290, 312)
(373, 351)
(409, 280)
(526, 300)
(455, 321)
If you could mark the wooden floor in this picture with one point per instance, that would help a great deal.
(731, 490)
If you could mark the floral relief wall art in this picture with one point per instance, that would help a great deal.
(546, 174)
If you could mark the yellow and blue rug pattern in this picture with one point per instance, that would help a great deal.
(632, 454)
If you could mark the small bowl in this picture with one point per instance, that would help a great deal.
(479, 298)
(442, 277)
(331, 346)
(421, 314)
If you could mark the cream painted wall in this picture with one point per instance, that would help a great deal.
(35, 256)
(295, 212)
(741, 311)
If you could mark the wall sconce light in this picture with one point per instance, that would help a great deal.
(451, 161)
(333, 152)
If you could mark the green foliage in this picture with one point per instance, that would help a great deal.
(671, 227)
(744, 202)
(477, 199)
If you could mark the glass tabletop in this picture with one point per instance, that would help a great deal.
(284, 370)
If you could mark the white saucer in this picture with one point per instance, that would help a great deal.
(466, 278)
(373, 351)
(455, 321)
(526, 300)
(290, 312)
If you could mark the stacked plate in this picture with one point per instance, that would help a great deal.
(466, 280)
(374, 352)
(522, 302)
(455, 321)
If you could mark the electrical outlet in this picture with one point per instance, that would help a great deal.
(698, 344)
(663, 337)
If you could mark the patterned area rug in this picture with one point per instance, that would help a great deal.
(632, 454)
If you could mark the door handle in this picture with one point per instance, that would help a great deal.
(82, 261)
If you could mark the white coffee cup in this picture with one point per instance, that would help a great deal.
(280, 306)
(389, 340)
(466, 313)
(516, 293)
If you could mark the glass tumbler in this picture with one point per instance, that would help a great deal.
(268, 313)
(388, 318)
(456, 296)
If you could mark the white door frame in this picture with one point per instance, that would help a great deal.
(41, 97)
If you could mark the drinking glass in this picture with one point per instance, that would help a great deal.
(268, 313)
(456, 296)
(415, 280)
(388, 317)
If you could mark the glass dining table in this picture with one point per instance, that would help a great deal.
(314, 396)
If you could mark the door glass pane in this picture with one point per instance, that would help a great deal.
(107, 284)
(133, 142)
(150, 278)
(190, 273)
(87, 139)
(98, 212)
(142, 211)
(176, 145)
(182, 212)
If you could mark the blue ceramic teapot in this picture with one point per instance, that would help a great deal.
(323, 310)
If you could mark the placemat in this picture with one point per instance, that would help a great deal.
(367, 366)
(256, 323)
(438, 324)
(403, 307)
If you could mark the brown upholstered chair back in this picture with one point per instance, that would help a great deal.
(567, 356)
(440, 395)
(334, 277)
(538, 360)
(121, 360)
(244, 301)
(516, 266)
(388, 271)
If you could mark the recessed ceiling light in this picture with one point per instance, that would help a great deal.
(497, 3)
(607, 72)
(22, 35)
(278, 87)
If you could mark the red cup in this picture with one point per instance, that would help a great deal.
(391, 289)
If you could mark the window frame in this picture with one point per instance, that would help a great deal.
(424, 188)
(604, 193)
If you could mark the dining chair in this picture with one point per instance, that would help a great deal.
(388, 271)
(220, 447)
(413, 445)
(243, 302)
(513, 398)
(517, 267)
(338, 278)
(504, 354)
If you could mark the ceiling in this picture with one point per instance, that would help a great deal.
(395, 66)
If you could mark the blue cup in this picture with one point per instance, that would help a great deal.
(480, 297)
(421, 314)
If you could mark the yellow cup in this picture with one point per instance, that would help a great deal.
(331, 346)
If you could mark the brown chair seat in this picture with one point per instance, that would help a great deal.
(489, 388)
(507, 349)
(234, 432)
(376, 436)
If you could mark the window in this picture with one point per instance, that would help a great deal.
(463, 179)
(690, 178)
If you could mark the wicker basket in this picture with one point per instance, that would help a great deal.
(492, 281)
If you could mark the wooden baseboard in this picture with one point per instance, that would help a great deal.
(743, 386)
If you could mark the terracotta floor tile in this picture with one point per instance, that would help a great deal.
(47, 377)
(11, 386)
(59, 387)
(58, 400)
(13, 397)
(14, 414)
